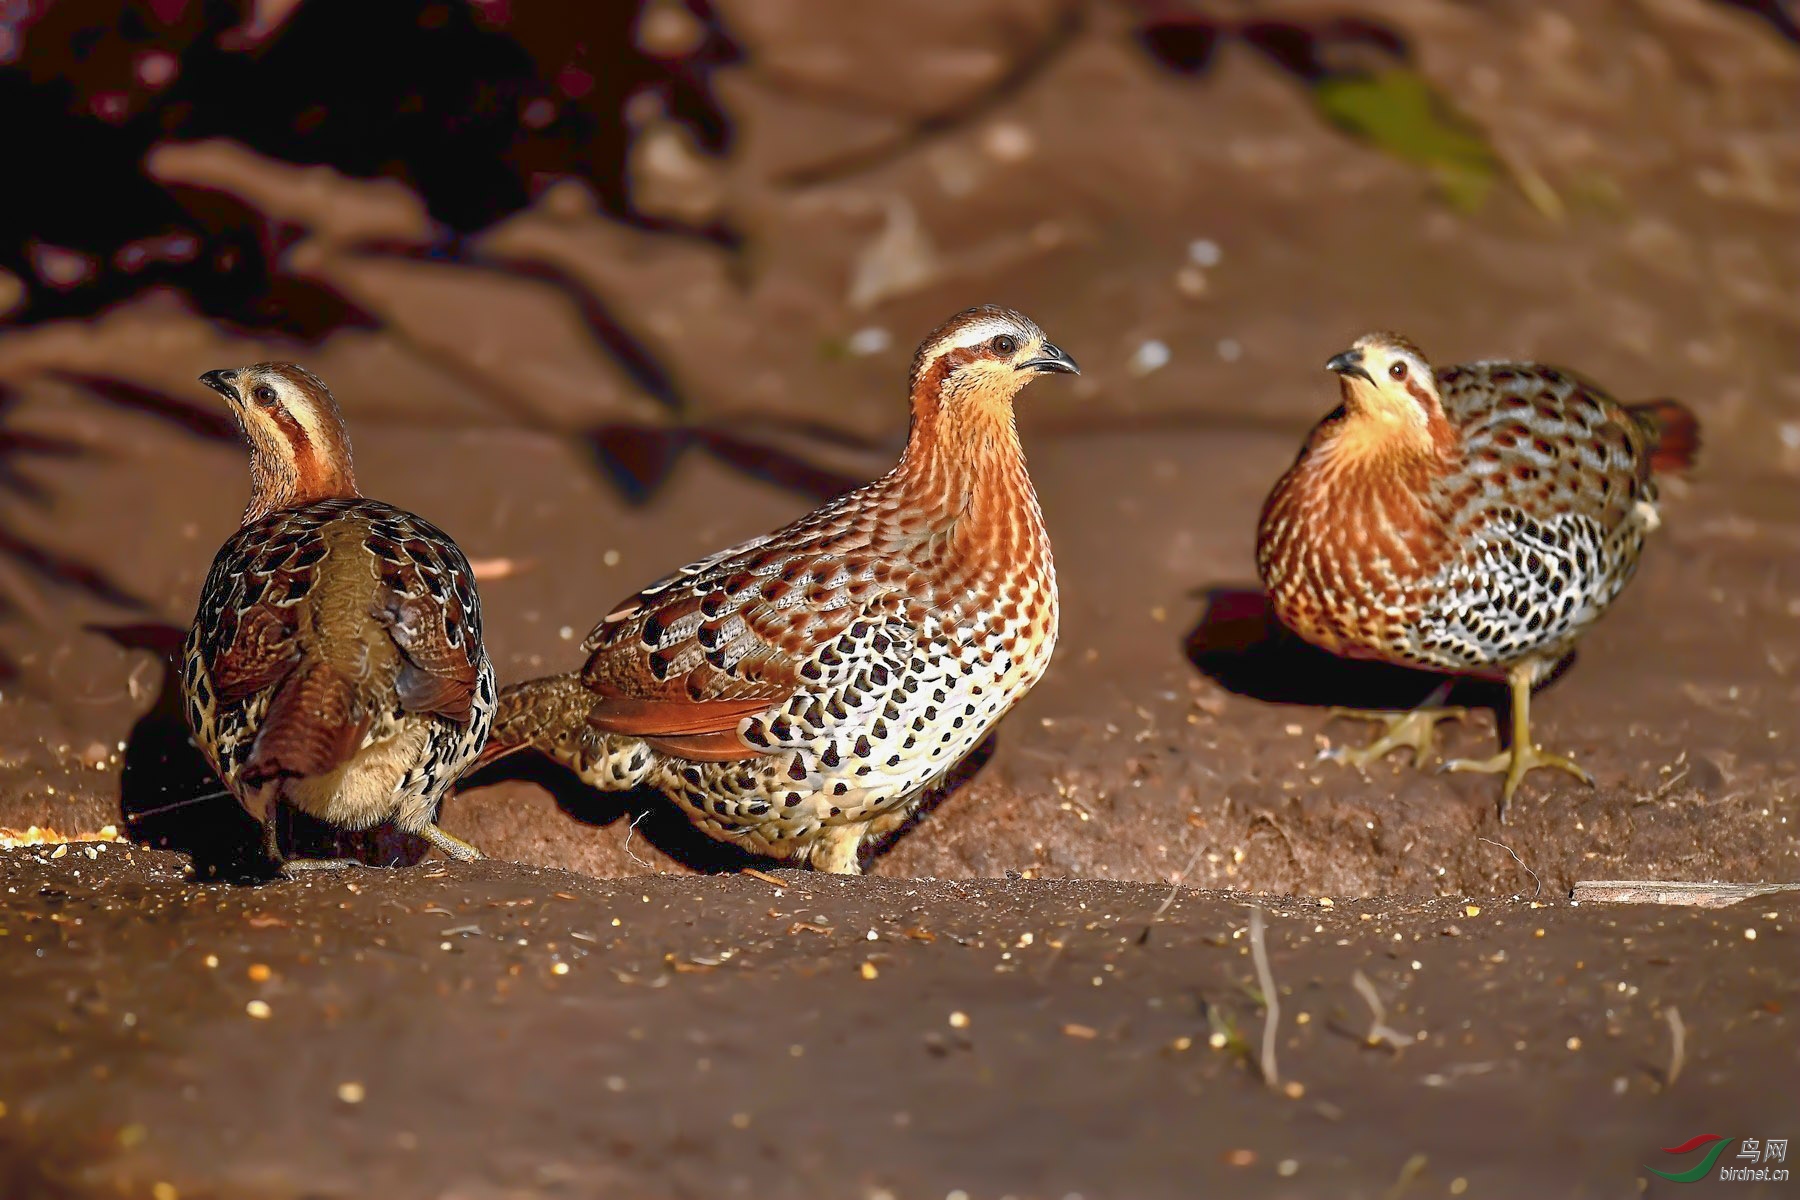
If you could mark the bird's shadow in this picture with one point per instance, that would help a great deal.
(1240, 644)
(660, 823)
(170, 798)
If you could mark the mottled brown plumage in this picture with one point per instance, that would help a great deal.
(335, 662)
(1475, 520)
(799, 693)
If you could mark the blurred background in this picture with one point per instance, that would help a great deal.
(603, 287)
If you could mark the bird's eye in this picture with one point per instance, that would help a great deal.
(1397, 372)
(1004, 344)
(263, 393)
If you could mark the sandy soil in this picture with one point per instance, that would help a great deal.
(584, 402)
(499, 1030)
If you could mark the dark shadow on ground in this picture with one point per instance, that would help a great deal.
(1240, 645)
(658, 821)
(169, 797)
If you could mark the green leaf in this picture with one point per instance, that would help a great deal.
(1398, 112)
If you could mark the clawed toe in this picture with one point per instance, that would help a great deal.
(1415, 731)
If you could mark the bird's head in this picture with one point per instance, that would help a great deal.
(981, 358)
(1385, 379)
(299, 449)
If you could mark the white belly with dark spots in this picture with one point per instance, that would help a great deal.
(899, 711)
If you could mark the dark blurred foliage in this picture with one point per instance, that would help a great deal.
(475, 105)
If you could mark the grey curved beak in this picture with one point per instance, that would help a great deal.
(1052, 361)
(1349, 363)
(222, 382)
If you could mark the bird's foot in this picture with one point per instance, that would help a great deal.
(1517, 761)
(835, 849)
(1415, 731)
(451, 845)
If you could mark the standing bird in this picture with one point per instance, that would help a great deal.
(797, 695)
(1474, 520)
(335, 663)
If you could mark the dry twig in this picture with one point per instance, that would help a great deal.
(1265, 979)
(1380, 1032)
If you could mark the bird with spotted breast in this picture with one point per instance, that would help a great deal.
(797, 695)
(335, 662)
(1474, 520)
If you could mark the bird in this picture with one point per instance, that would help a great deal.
(335, 663)
(799, 694)
(1474, 521)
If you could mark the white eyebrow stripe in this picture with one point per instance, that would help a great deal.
(981, 331)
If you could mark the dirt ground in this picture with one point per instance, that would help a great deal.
(501, 1030)
(586, 402)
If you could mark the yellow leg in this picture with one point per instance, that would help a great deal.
(1524, 755)
(834, 849)
(1415, 731)
(449, 843)
(293, 868)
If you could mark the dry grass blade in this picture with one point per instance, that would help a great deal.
(1174, 890)
(1380, 1032)
(1539, 884)
(1409, 1172)
(1678, 1045)
(1265, 979)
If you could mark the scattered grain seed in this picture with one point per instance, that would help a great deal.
(1574, 1043)
(1287, 1167)
(351, 1092)
(1749, 935)
(1241, 1157)
(959, 1020)
(561, 968)
(259, 972)
(1293, 1089)
(1086, 1032)
(1473, 910)
(259, 1009)
(162, 1189)
(869, 972)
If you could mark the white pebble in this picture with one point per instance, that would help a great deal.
(1151, 356)
(1204, 252)
(871, 340)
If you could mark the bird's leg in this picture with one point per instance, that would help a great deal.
(293, 868)
(1415, 730)
(834, 849)
(449, 843)
(1523, 755)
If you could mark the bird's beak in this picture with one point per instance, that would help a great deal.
(222, 382)
(1350, 363)
(1051, 361)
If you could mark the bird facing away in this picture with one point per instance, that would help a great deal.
(335, 663)
(1474, 520)
(798, 694)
